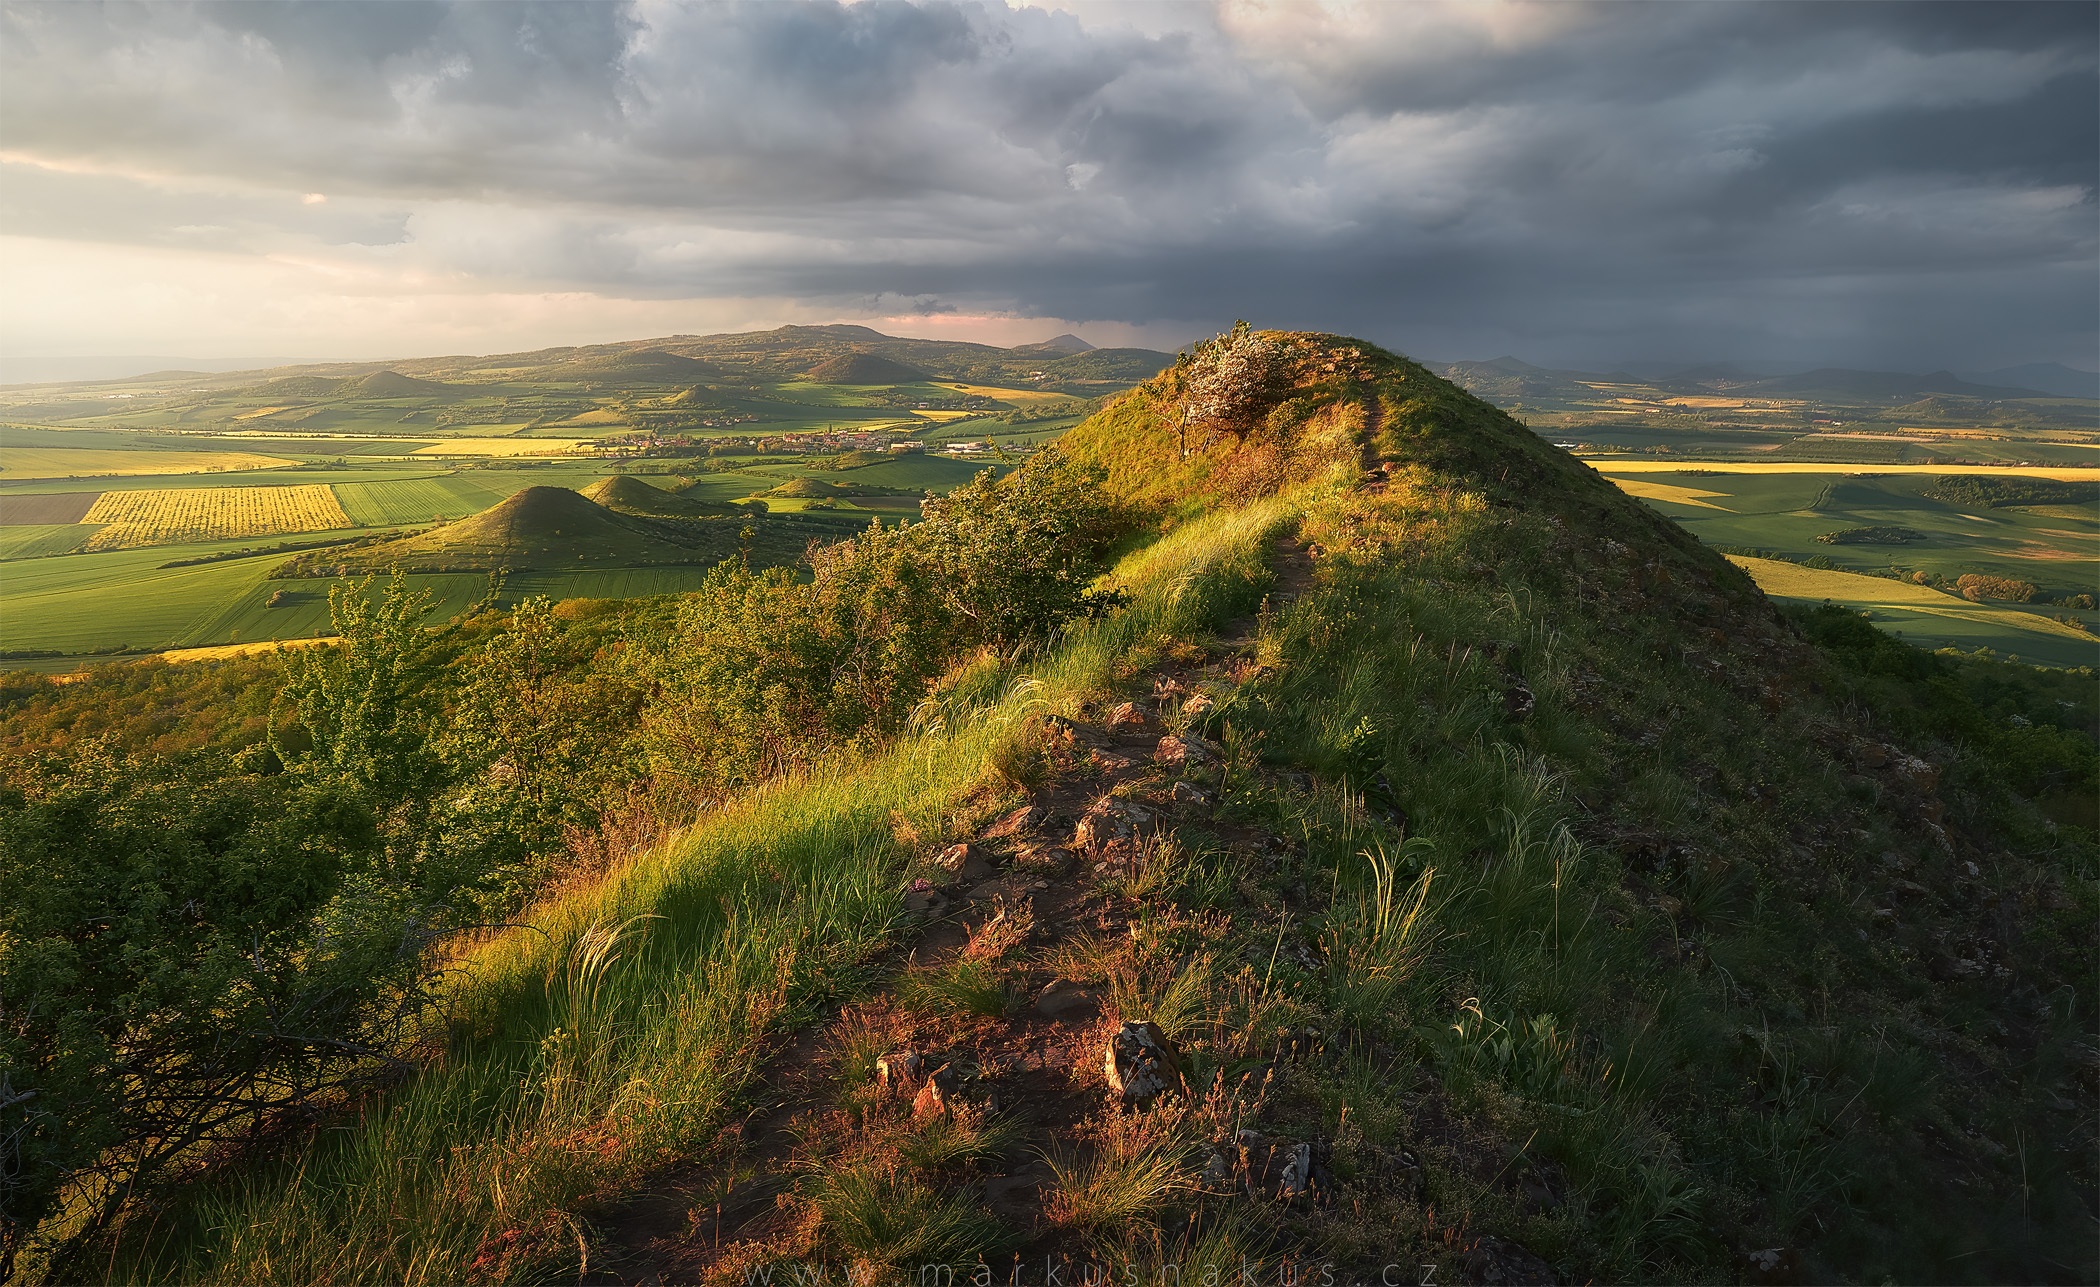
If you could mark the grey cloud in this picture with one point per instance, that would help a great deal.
(1830, 181)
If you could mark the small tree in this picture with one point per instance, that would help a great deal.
(1231, 383)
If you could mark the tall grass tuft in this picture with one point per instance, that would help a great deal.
(1376, 939)
(619, 1028)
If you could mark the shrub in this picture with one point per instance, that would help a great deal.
(1230, 384)
(183, 954)
(1871, 536)
(1977, 587)
(767, 670)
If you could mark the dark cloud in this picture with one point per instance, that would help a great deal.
(1906, 184)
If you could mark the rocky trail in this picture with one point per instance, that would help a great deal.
(1045, 898)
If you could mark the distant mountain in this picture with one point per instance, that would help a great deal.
(301, 386)
(864, 368)
(1064, 363)
(641, 364)
(1509, 379)
(2053, 378)
(1056, 346)
(1882, 384)
(75, 370)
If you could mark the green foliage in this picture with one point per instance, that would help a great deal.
(181, 952)
(366, 704)
(767, 670)
(2026, 733)
(1978, 587)
(1887, 535)
(1984, 492)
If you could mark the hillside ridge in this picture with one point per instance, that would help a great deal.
(1418, 852)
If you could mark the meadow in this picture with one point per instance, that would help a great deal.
(1782, 510)
(1927, 617)
(1561, 910)
(41, 464)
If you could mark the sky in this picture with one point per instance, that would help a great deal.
(1890, 185)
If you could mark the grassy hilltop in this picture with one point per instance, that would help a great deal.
(1496, 879)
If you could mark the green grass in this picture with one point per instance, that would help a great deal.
(78, 603)
(39, 539)
(2055, 547)
(567, 1081)
(452, 494)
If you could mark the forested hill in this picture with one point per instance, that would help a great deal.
(1304, 822)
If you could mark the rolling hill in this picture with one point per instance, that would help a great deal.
(539, 528)
(864, 368)
(648, 365)
(393, 384)
(1427, 855)
(625, 494)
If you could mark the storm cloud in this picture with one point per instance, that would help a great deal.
(1880, 184)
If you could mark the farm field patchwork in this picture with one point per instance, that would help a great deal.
(1900, 524)
(156, 517)
(1926, 617)
(23, 463)
(1617, 465)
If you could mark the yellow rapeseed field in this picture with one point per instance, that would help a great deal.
(1617, 465)
(163, 517)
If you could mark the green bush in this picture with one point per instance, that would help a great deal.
(765, 670)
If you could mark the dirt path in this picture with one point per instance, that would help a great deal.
(1063, 877)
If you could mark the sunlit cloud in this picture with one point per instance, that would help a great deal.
(1578, 182)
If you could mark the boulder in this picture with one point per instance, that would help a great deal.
(936, 1097)
(1061, 1001)
(1109, 823)
(1189, 793)
(1140, 1063)
(1127, 717)
(1180, 751)
(963, 862)
(1196, 705)
(1045, 860)
(899, 1070)
(1013, 824)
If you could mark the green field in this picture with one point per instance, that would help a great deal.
(398, 500)
(40, 539)
(81, 603)
(2055, 547)
(1927, 617)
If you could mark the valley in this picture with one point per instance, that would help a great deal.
(1300, 819)
(207, 484)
